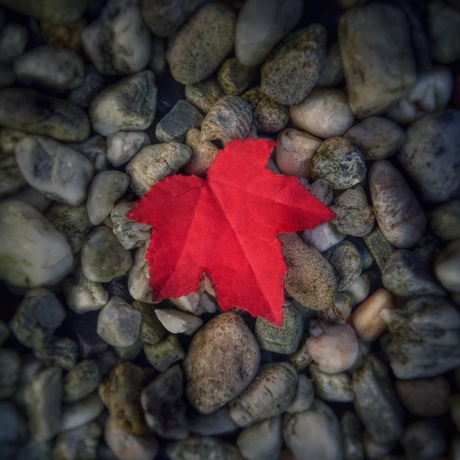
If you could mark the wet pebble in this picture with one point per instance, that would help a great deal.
(202, 44)
(447, 266)
(123, 145)
(346, 262)
(375, 43)
(445, 220)
(118, 42)
(175, 124)
(267, 396)
(105, 190)
(204, 94)
(81, 380)
(430, 153)
(78, 443)
(331, 387)
(222, 345)
(164, 353)
(203, 153)
(50, 67)
(154, 162)
(164, 404)
(338, 162)
(324, 113)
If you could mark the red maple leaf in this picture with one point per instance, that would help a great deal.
(225, 226)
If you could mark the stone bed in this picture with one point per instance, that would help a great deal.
(100, 100)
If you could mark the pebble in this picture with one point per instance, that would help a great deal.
(324, 113)
(203, 153)
(10, 363)
(222, 360)
(334, 347)
(399, 215)
(202, 44)
(304, 395)
(129, 352)
(443, 25)
(340, 311)
(129, 104)
(78, 443)
(37, 113)
(338, 162)
(11, 178)
(366, 319)
(377, 137)
(424, 397)
(81, 412)
(119, 323)
(175, 124)
(123, 145)
(92, 84)
(323, 237)
(431, 93)
(204, 94)
(424, 439)
(138, 277)
(121, 394)
(406, 275)
(13, 41)
(331, 387)
(200, 447)
(81, 380)
(294, 152)
(91, 346)
(310, 278)
(178, 322)
(152, 331)
(352, 436)
(301, 358)
(164, 405)
(346, 262)
(267, 396)
(447, 266)
(261, 441)
(43, 404)
(445, 220)
(59, 351)
(95, 149)
(234, 77)
(127, 446)
(106, 188)
(118, 42)
(292, 68)
(229, 118)
(13, 430)
(50, 67)
(331, 73)
(154, 162)
(268, 115)
(314, 433)
(284, 339)
(376, 403)
(430, 153)
(103, 258)
(164, 353)
(378, 246)
(377, 58)
(54, 169)
(425, 337)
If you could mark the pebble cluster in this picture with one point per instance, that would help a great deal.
(101, 100)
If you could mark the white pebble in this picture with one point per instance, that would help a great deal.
(178, 322)
(123, 145)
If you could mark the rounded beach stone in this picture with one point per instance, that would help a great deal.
(54, 169)
(346, 262)
(129, 104)
(310, 278)
(447, 266)
(339, 162)
(80, 381)
(164, 353)
(399, 215)
(377, 137)
(118, 42)
(204, 94)
(222, 360)
(36, 113)
(105, 190)
(203, 153)
(50, 66)
(36, 254)
(324, 113)
(445, 220)
(154, 162)
(268, 116)
(123, 145)
(202, 43)
(261, 24)
(178, 322)
(294, 152)
(267, 396)
(103, 258)
(234, 77)
(292, 68)
(430, 155)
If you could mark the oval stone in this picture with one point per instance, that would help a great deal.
(221, 362)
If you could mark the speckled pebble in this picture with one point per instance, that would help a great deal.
(203, 153)
(346, 262)
(80, 381)
(164, 353)
(204, 94)
(234, 77)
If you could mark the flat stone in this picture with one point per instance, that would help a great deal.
(202, 44)
(54, 169)
(80, 381)
(36, 113)
(118, 42)
(129, 104)
(123, 145)
(216, 350)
